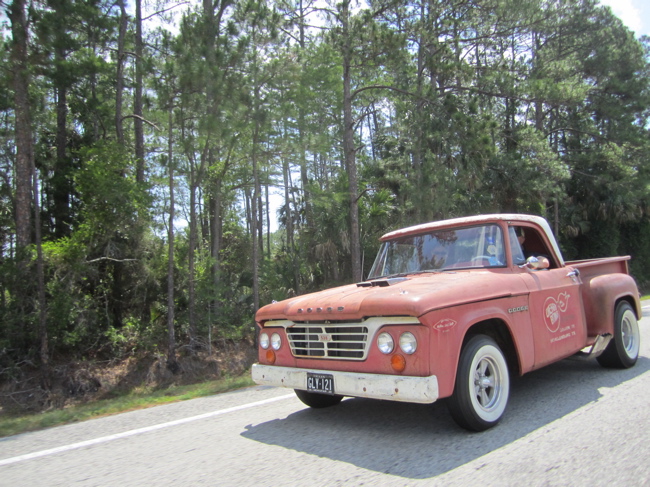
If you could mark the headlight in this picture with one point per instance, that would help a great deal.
(264, 341)
(276, 341)
(385, 343)
(408, 343)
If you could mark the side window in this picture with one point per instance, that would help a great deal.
(531, 244)
(518, 257)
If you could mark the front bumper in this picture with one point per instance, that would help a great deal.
(422, 390)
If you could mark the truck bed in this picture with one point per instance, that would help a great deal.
(595, 267)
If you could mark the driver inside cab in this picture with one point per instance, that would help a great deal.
(521, 256)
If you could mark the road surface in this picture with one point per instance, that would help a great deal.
(572, 423)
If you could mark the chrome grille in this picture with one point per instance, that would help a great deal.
(324, 340)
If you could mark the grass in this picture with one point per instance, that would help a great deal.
(138, 399)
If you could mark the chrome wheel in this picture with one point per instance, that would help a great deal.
(623, 349)
(487, 384)
(482, 385)
(630, 334)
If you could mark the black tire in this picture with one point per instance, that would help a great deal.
(316, 400)
(482, 385)
(623, 349)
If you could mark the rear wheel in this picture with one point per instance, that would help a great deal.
(316, 400)
(482, 385)
(623, 349)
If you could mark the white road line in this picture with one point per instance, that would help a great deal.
(126, 434)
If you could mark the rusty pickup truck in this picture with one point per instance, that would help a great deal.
(451, 309)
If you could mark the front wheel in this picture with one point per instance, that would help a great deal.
(482, 385)
(623, 349)
(316, 400)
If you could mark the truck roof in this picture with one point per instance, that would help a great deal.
(468, 220)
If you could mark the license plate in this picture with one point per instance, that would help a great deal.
(323, 383)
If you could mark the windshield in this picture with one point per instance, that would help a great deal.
(471, 247)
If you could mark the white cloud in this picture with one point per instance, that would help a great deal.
(627, 12)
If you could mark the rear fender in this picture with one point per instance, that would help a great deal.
(601, 294)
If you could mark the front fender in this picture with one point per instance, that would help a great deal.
(450, 326)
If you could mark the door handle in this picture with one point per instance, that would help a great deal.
(574, 273)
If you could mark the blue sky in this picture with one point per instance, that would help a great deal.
(634, 13)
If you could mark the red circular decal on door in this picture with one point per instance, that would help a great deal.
(553, 308)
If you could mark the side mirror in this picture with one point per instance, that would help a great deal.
(537, 263)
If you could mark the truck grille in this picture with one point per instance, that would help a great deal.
(337, 341)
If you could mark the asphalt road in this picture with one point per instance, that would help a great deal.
(572, 423)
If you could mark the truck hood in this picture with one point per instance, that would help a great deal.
(413, 295)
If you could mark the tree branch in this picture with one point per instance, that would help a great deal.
(143, 119)
(383, 87)
(111, 259)
(165, 10)
(569, 129)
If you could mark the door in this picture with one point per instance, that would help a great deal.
(556, 313)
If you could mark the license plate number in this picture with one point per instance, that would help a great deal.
(323, 383)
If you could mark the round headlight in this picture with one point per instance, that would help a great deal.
(385, 343)
(276, 341)
(264, 341)
(408, 343)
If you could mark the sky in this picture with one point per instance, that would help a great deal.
(635, 14)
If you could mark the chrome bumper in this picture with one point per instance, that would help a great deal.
(422, 390)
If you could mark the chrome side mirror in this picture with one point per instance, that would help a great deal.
(536, 263)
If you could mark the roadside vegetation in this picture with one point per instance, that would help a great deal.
(139, 398)
(164, 173)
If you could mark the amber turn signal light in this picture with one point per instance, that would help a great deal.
(270, 356)
(398, 362)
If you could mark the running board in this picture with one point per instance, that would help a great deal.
(598, 347)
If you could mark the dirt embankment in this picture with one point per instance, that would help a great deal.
(71, 382)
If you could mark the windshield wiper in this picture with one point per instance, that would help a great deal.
(383, 281)
(390, 276)
(390, 279)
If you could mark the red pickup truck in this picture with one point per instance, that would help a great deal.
(451, 309)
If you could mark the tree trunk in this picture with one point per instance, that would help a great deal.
(23, 164)
(302, 137)
(191, 257)
(119, 89)
(349, 150)
(172, 364)
(255, 223)
(216, 230)
(286, 177)
(137, 103)
(42, 303)
(267, 205)
(61, 181)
